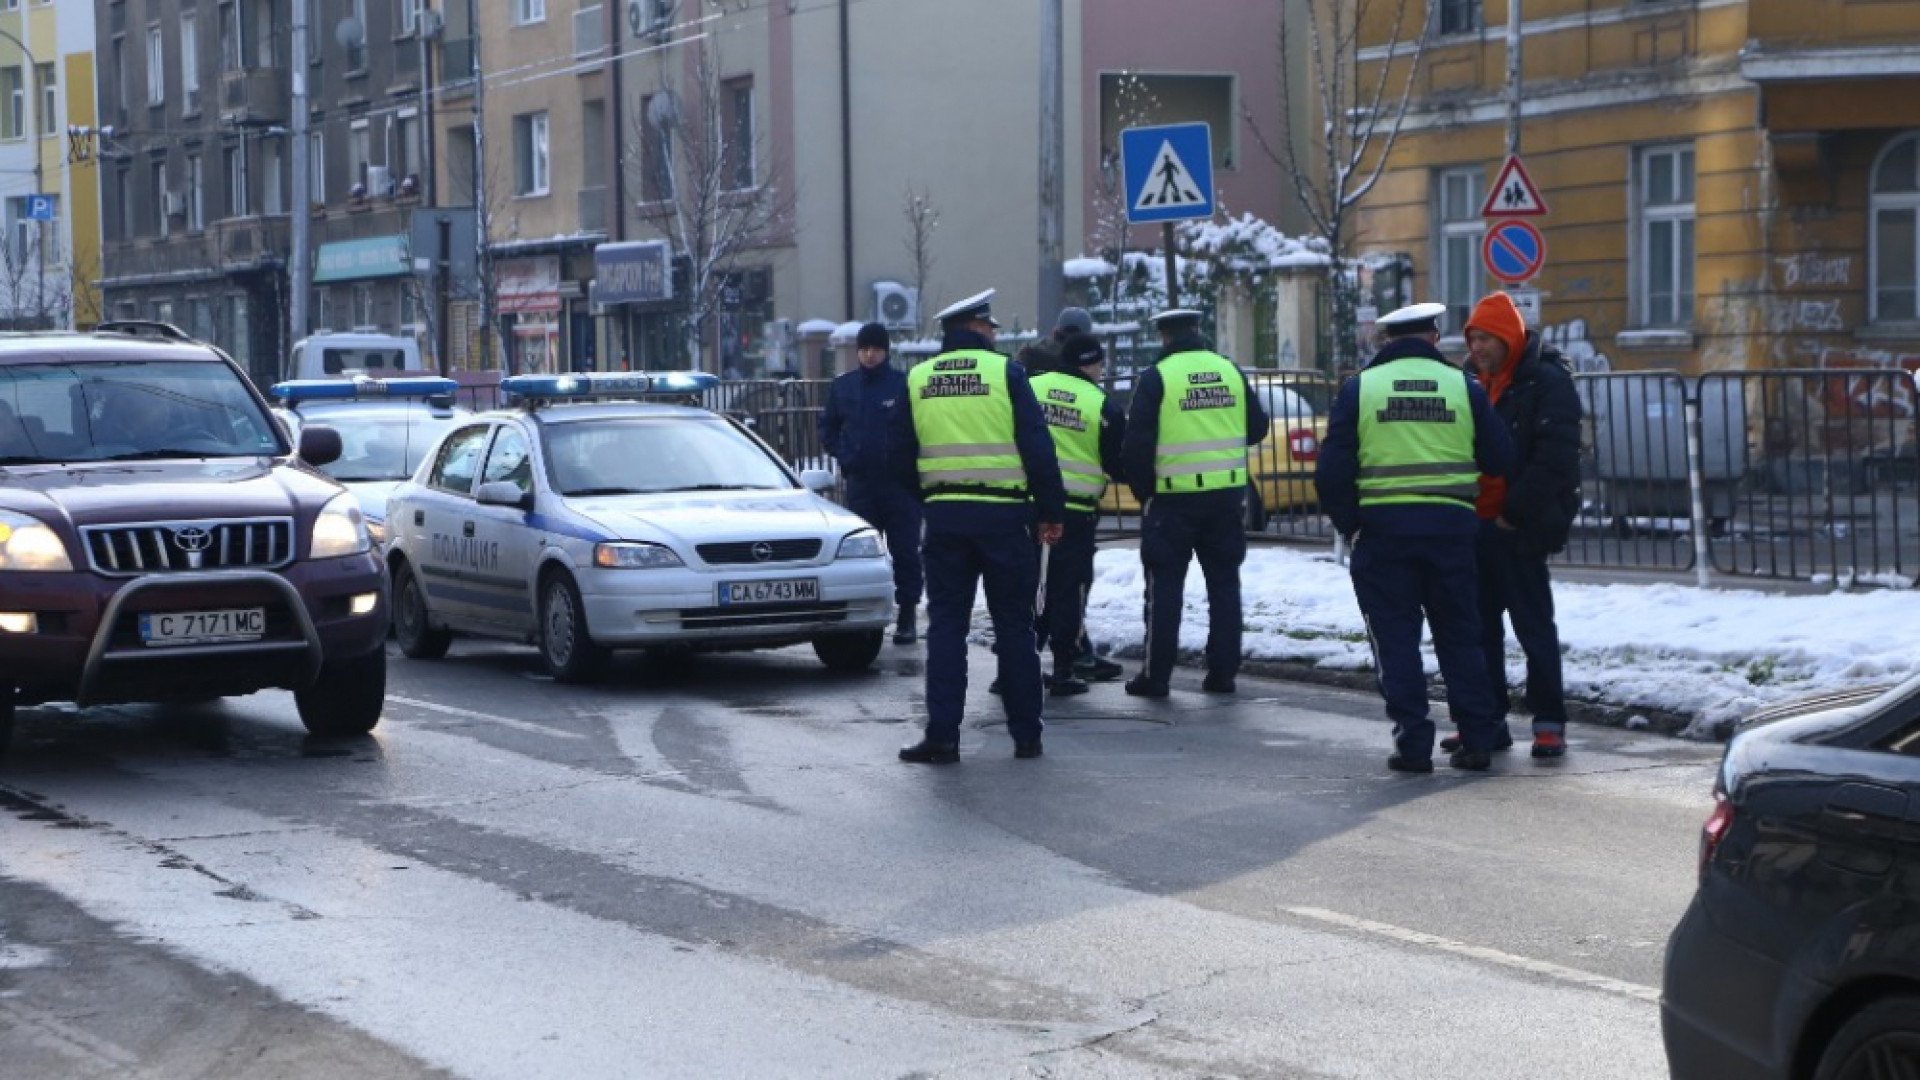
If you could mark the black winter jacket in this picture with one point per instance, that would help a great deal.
(1541, 409)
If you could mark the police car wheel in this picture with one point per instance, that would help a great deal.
(566, 648)
(849, 652)
(412, 627)
(347, 698)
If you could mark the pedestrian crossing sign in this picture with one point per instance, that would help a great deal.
(1168, 171)
(1513, 194)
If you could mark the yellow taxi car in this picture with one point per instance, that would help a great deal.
(1281, 465)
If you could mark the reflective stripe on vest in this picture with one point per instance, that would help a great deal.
(1072, 408)
(964, 421)
(1416, 435)
(1202, 443)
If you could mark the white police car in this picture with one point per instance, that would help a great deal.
(386, 428)
(584, 523)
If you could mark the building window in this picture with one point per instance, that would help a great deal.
(406, 137)
(363, 308)
(235, 157)
(409, 16)
(156, 67)
(15, 126)
(123, 192)
(1665, 242)
(1456, 16)
(359, 156)
(656, 148)
(189, 63)
(196, 194)
(271, 177)
(230, 36)
(529, 11)
(317, 167)
(44, 75)
(357, 50)
(1894, 243)
(1458, 231)
(530, 154)
(26, 236)
(737, 153)
(161, 226)
(117, 60)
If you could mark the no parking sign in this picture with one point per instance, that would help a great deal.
(1513, 251)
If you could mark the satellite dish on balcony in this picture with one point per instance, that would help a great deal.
(664, 110)
(349, 33)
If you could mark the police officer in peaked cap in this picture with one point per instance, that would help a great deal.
(1185, 458)
(1407, 441)
(991, 481)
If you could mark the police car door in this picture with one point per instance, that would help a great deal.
(441, 524)
(506, 542)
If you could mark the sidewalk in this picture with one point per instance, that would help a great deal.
(1639, 651)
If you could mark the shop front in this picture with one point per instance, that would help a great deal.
(529, 303)
(633, 285)
(365, 285)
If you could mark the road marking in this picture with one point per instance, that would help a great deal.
(504, 721)
(1480, 952)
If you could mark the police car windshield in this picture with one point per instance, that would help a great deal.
(382, 444)
(129, 410)
(652, 455)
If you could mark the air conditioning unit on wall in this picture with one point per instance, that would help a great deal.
(895, 304)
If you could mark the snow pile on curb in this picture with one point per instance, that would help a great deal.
(1714, 655)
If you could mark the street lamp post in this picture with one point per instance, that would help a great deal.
(32, 134)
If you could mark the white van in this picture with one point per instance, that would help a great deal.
(335, 355)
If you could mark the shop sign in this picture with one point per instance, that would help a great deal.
(632, 273)
(529, 286)
(354, 260)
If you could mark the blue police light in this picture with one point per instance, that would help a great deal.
(588, 385)
(296, 391)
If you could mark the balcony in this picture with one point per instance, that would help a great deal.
(593, 210)
(253, 94)
(250, 242)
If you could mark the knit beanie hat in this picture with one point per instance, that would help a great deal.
(1496, 314)
(873, 336)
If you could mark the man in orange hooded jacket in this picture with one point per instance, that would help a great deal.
(1526, 515)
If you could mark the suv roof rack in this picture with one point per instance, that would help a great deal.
(143, 328)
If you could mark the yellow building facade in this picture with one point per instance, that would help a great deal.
(49, 268)
(1730, 184)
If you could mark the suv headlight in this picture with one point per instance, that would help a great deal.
(27, 543)
(865, 544)
(634, 556)
(339, 530)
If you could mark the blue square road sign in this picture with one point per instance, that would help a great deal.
(39, 208)
(1168, 171)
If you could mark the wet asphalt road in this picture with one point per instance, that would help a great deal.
(713, 867)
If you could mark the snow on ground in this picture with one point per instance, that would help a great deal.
(1711, 654)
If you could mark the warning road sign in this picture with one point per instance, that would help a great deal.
(1513, 251)
(1169, 172)
(1513, 194)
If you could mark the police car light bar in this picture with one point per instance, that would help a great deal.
(298, 390)
(608, 384)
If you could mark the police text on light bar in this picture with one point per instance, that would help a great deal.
(298, 390)
(608, 384)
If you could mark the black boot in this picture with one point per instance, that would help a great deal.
(905, 633)
(928, 752)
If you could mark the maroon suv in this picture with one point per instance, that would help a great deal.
(160, 541)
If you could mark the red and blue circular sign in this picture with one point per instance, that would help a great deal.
(1513, 251)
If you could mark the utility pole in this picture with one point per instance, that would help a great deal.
(1513, 77)
(300, 273)
(482, 259)
(1052, 155)
(846, 161)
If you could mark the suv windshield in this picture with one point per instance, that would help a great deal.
(619, 457)
(128, 410)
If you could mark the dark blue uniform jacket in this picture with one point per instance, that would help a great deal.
(1143, 420)
(857, 427)
(1046, 494)
(1338, 473)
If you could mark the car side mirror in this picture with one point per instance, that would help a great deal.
(818, 481)
(319, 445)
(503, 493)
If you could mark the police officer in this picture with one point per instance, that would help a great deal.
(1088, 429)
(1407, 441)
(857, 428)
(992, 487)
(1185, 458)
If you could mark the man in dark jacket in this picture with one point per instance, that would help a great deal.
(1185, 459)
(1407, 440)
(859, 429)
(1525, 516)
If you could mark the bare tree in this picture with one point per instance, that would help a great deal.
(707, 189)
(1359, 119)
(33, 295)
(923, 218)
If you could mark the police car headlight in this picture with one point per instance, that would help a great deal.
(865, 544)
(27, 543)
(632, 556)
(340, 530)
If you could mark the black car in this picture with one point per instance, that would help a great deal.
(1799, 958)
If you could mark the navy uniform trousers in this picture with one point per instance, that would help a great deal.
(1401, 581)
(967, 547)
(1069, 577)
(1176, 529)
(895, 511)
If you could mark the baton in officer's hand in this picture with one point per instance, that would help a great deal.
(1040, 594)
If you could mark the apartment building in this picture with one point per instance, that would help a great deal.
(49, 200)
(1731, 184)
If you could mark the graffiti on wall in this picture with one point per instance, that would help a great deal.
(1814, 270)
(1572, 341)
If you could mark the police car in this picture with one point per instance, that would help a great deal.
(386, 428)
(593, 515)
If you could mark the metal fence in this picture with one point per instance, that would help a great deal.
(1791, 474)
